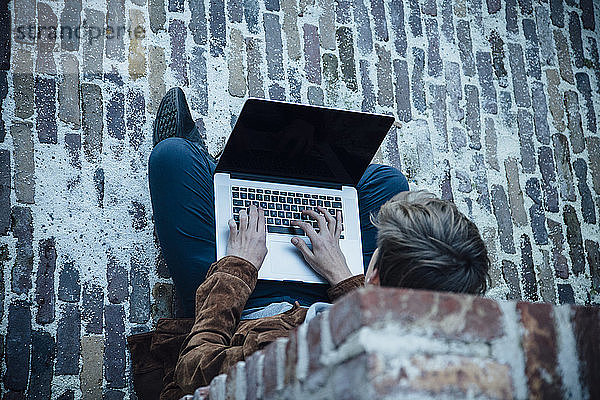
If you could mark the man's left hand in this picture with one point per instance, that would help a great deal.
(249, 240)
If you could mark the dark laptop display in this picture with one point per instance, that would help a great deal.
(310, 144)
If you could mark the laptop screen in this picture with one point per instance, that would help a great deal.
(287, 140)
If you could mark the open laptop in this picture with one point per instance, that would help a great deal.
(288, 157)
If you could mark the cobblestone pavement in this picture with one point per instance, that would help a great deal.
(495, 103)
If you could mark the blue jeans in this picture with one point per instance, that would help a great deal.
(180, 175)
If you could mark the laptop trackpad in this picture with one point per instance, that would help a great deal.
(285, 262)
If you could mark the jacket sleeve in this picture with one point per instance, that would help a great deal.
(220, 300)
(345, 286)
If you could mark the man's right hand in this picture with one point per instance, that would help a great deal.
(249, 241)
(326, 257)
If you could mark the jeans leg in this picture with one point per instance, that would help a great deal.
(180, 176)
(378, 184)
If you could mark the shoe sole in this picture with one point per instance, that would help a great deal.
(173, 118)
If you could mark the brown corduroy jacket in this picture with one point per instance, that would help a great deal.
(184, 354)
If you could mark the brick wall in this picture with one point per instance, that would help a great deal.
(383, 343)
(496, 103)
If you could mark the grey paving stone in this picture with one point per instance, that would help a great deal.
(447, 25)
(3, 93)
(434, 61)
(547, 169)
(385, 94)
(176, 5)
(68, 91)
(574, 121)
(92, 304)
(113, 395)
(465, 47)
(92, 121)
(99, 186)
(70, 18)
(525, 123)
(251, 15)
(454, 91)
(511, 16)
(135, 112)
(378, 13)
(114, 346)
(588, 209)
(446, 183)
(46, 39)
(44, 284)
(515, 194)
(235, 11)
(255, 79)
(91, 367)
(22, 228)
(198, 80)
(162, 307)
(532, 54)
(137, 64)
(364, 38)
(423, 145)
(501, 211)
(438, 110)
(276, 92)
(391, 147)
(542, 19)
(115, 115)
(488, 90)
(237, 80)
(45, 105)
(583, 85)
(347, 64)
(68, 341)
(557, 13)
(330, 74)
(479, 174)
(511, 277)
(158, 16)
(69, 287)
(458, 139)
(536, 213)
(555, 102)
(475, 8)
(473, 119)
(593, 145)
(517, 67)
(179, 61)
(5, 37)
(295, 85)
(593, 259)
(274, 46)
(67, 395)
(576, 41)
(312, 54)
(497, 46)
(546, 276)
(218, 34)
(560, 261)
(396, 8)
(17, 351)
(137, 211)
(574, 239)
(368, 103)
(272, 5)
(464, 181)
(491, 144)
(43, 353)
(139, 309)
(563, 167)
(527, 270)
(290, 28)
(342, 11)
(115, 19)
(429, 8)
(23, 84)
(565, 290)
(5, 185)
(402, 91)
(326, 24)
(315, 96)
(594, 59)
(540, 112)
(93, 45)
(414, 19)
(24, 166)
(564, 56)
(587, 16)
(117, 289)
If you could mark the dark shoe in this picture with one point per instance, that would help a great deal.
(173, 118)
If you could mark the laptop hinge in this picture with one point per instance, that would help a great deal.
(290, 181)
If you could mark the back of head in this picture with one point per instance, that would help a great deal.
(426, 243)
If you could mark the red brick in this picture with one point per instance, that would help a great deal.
(273, 368)
(254, 386)
(291, 359)
(540, 347)
(412, 308)
(586, 327)
(313, 340)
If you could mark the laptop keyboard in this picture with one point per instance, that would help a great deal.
(281, 208)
